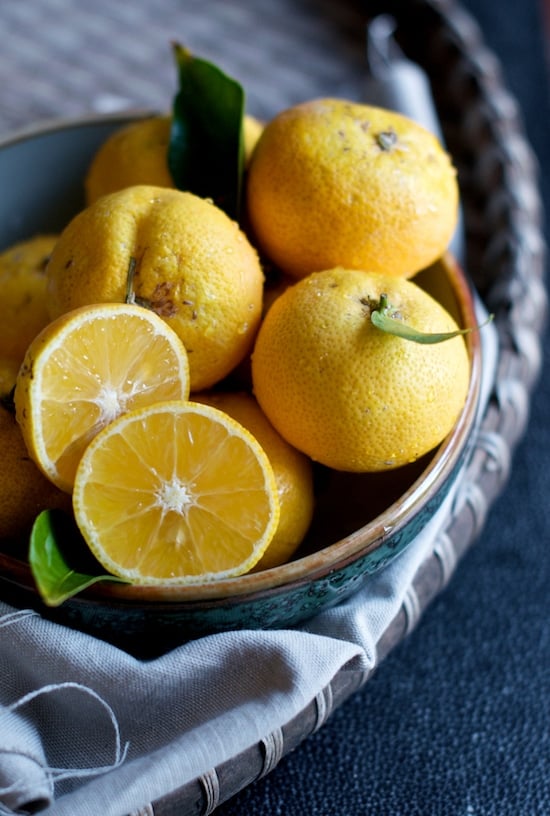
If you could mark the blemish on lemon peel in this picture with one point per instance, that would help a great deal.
(194, 312)
(387, 139)
(161, 302)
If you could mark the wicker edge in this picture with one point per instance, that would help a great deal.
(511, 263)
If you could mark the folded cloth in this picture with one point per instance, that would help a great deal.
(157, 724)
(110, 733)
(23, 782)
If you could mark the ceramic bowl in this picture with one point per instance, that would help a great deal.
(362, 521)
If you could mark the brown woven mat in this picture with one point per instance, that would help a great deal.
(63, 57)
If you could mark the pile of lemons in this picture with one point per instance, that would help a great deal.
(172, 398)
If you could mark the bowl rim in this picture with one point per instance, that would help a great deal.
(50, 125)
(315, 565)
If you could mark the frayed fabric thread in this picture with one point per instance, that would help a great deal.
(15, 617)
(65, 773)
(54, 774)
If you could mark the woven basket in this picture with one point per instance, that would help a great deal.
(284, 52)
(505, 257)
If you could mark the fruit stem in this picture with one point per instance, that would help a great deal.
(130, 294)
(386, 318)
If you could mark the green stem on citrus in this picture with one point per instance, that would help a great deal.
(383, 317)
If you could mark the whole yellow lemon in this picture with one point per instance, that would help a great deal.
(137, 153)
(333, 183)
(347, 393)
(174, 253)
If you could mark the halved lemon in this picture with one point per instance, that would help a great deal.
(176, 493)
(86, 368)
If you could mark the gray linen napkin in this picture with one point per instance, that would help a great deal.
(393, 81)
(23, 782)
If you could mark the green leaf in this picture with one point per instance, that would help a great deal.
(55, 579)
(384, 318)
(206, 150)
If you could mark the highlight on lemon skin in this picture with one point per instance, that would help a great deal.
(86, 368)
(176, 493)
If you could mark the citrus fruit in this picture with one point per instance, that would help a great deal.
(175, 493)
(333, 182)
(193, 266)
(137, 153)
(24, 490)
(23, 310)
(292, 470)
(134, 154)
(346, 393)
(86, 368)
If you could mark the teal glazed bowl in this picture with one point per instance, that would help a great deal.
(362, 522)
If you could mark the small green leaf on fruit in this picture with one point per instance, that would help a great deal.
(55, 579)
(384, 319)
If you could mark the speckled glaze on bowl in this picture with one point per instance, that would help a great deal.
(362, 521)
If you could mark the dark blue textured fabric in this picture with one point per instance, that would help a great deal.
(456, 722)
